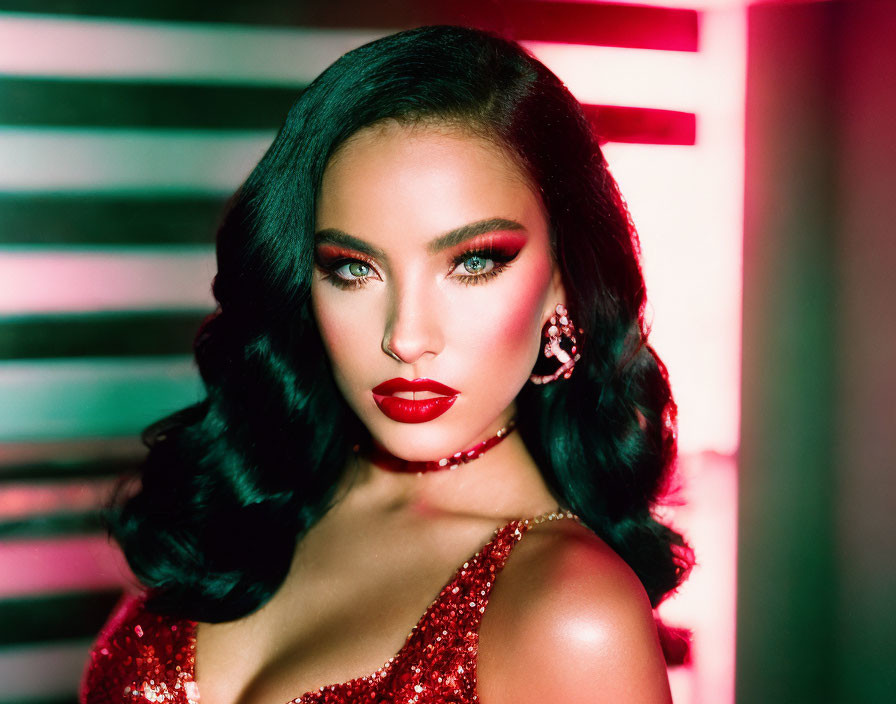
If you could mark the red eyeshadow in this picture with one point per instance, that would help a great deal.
(503, 242)
(332, 252)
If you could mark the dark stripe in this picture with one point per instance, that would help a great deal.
(80, 458)
(581, 23)
(52, 470)
(72, 699)
(98, 335)
(642, 125)
(117, 104)
(41, 619)
(83, 218)
(50, 525)
(95, 103)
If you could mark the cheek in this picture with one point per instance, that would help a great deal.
(521, 320)
(505, 329)
(517, 325)
(341, 330)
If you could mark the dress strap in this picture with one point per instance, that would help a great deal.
(555, 515)
(498, 549)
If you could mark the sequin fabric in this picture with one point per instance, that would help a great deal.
(141, 657)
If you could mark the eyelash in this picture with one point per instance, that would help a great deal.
(501, 259)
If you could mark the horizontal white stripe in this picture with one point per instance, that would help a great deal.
(116, 160)
(670, 80)
(49, 45)
(55, 399)
(39, 280)
(43, 671)
(61, 564)
(184, 51)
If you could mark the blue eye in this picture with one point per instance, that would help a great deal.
(477, 264)
(481, 265)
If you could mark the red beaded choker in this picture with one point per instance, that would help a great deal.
(386, 460)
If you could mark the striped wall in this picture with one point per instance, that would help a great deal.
(123, 128)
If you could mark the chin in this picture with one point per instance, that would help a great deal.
(414, 444)
(424, 442)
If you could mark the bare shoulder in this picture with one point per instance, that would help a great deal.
(568, 620)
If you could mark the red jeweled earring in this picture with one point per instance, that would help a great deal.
(559, 327)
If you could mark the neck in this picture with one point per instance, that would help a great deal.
(504, 482)
(381, 457)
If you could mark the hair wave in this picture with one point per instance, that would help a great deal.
(231, 483)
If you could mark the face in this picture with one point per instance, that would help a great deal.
(433, 262)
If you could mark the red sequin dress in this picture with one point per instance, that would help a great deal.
(141, 657)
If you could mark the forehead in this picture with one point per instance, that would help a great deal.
(391, 138)
(422, 179)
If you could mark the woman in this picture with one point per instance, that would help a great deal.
(429, 345)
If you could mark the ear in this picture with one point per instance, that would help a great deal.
(556, 294)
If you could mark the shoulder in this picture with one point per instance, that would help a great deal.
(120, 645)
(569, 620)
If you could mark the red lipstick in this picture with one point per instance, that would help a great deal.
(406, 410)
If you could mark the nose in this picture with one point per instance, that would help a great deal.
(412, 328)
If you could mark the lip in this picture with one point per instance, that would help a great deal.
(399, 384)
(406, 410)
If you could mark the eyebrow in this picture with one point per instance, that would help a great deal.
(449, 239)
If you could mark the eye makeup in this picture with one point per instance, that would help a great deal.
(498, 248)
(330, 259)
(500, 259)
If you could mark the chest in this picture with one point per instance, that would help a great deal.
(365, 629)
(278, 657)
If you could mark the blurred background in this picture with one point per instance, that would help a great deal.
(754, 143)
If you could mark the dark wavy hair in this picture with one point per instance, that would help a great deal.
(231, 483)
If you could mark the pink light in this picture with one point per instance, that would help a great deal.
(687, 203)
(36, 280)
(48, 45)
(77, 563)
(23, 500)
